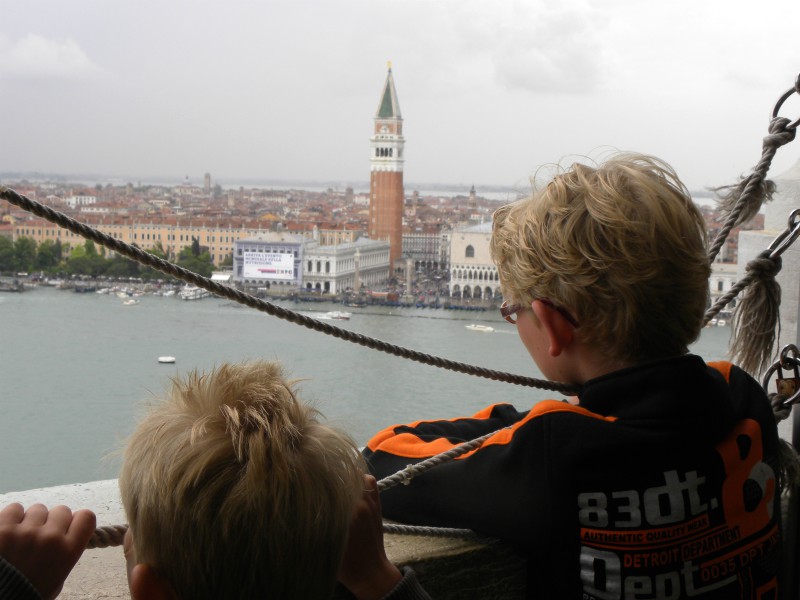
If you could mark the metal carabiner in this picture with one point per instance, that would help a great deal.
(787, 236)
(789, 387)
(782, 99)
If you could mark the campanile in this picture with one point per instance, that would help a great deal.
(386, 173)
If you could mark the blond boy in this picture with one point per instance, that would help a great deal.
(233, 488)
(659, 479)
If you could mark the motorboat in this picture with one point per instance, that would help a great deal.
(192, 292)
(338, 315)
(166, 360)
(481, 328)
(335, 315)
(130, 302)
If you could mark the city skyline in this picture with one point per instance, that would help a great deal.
(271, 92)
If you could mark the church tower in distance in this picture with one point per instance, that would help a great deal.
(386, 173)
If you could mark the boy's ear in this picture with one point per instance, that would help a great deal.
(146, 584)
(559, 331)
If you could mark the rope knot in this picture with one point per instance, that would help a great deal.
(779, 133)
(763, 267)
(780, 411)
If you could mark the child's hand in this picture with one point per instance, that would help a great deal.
(44, 545)
(365, 570)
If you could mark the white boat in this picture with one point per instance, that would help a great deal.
(482, 328)
(166, 360)
(192, 292)
(339, 315)
(336, 315)
(168, 293)
(130, 302)
(721, 323)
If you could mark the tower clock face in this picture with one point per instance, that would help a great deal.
(384, 129)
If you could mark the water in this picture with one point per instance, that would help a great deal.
(77, 369)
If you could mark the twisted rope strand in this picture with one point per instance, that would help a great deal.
(178, 272)
(406, 475)
(779, 134)
(107, 536)
(723, 301)
(450, 532)
(111, 536)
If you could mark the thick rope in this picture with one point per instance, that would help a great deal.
(753, 190)
(109, 536)
(406, 475)
(757, 318)
(178, 272)
(737, 287)
(767, 262)
(449, 532)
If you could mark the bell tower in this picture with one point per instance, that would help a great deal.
(386, 173)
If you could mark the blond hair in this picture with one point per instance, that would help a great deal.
(234, 489)
(622, 246)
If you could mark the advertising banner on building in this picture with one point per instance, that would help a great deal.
(268, 265)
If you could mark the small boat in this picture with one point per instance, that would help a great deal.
(130, 302)
(166, 360)
(338, 315)
(192, 292)
(721, 323)
(482, 328)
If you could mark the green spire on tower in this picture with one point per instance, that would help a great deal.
(389, 107)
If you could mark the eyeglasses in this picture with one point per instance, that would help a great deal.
(509, 311)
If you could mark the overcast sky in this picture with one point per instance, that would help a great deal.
(489, 89)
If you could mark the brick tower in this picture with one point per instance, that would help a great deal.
(386, 173)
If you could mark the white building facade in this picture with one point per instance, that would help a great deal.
(424, 248)
(723, 276)
(472, 272)
(349, 266)
(76, 201)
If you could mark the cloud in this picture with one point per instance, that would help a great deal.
(36, 57)
(542, 46)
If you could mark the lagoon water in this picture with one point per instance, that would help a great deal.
(77, 369)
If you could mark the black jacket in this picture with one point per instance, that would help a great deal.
(661, 483)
